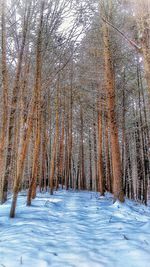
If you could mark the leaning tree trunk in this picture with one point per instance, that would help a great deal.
(14, 102)
(24, 142)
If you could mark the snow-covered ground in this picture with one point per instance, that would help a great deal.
(75, 229)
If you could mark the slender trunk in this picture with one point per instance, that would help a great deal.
(90, 160)
(14, 101)
(95, 152)
(3, 137)
(37, 95)
(100, 151)
(83, 179)
(70, 140)
(61, 151)
(67, 144)
(124, 145)
(109, 179)
(55, 145)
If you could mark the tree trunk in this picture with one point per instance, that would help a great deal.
(109, 178)
(90, 160)
(83, 178)
(110, 83)
(100, 152)
(37, 95)
(3, 137)
(55, 145)
(24, 142)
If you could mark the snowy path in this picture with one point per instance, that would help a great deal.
(75, 229)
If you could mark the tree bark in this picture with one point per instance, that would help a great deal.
(110, 89)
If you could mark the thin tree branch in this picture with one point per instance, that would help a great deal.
(137, 47)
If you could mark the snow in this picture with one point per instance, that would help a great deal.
(75, 229)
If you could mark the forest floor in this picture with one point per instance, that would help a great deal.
(75, 229)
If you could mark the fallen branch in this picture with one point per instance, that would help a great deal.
(137, 47)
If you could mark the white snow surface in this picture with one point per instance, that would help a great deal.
(75, 229)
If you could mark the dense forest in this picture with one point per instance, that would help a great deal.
(75, 133)
(74, 97)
